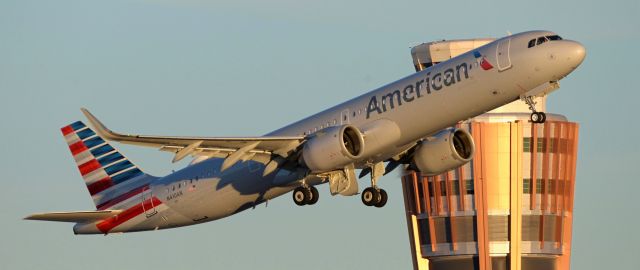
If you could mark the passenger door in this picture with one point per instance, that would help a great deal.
(148, 205)
(502, 55)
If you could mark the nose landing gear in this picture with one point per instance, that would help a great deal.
(536, 117)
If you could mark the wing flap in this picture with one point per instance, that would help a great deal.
(74, 216)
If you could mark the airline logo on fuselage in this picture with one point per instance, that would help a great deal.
(411, 92)
(482, 60)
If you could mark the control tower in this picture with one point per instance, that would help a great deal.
(510, 207)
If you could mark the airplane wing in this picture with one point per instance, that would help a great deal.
(233, 148)
(77, 216)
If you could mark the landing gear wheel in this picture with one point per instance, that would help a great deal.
(535, 117)
(543, 117)
(370, 196)
(301, 196)
(538, 117)
(383, 198)
(314, 196)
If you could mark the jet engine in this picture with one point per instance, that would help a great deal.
(445, 151)
(333, 148)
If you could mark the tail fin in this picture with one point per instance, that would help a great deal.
(111, 178)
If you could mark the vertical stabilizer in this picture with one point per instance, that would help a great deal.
(112, 180)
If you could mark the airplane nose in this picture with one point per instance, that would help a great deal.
(575, 53)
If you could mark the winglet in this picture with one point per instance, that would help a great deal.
(102, 130)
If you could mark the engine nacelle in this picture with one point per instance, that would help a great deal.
(333, 148)
(447, 150)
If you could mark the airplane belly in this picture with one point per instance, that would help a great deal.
(240, 187)
(242, 190)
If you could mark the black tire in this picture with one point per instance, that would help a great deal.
(543, 117)
(383, 198)
(535, 117)
(370, 196)
(314, 196)
(300, 196)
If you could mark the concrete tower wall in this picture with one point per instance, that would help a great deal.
(509, 208)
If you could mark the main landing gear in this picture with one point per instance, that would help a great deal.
(536, 117)
(375, 196)
(305, 195)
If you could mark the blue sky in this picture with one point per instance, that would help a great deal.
(244, 68)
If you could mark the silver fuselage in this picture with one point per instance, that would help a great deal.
(420, 104)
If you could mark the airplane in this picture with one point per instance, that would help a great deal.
(406, 123)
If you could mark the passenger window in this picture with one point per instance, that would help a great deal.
(532, 43)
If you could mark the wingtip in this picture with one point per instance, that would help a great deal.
(86, 113)
(99, 127)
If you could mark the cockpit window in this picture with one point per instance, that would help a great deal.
(541, 40)
(554, 37)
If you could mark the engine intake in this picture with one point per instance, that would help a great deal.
(333, 148)
(448, 150)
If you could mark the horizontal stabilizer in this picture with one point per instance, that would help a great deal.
(78, 216)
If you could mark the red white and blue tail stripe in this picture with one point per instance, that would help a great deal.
(111, 178)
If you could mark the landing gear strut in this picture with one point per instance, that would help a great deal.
(375, 196)
(305, 195)
(536, 117)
